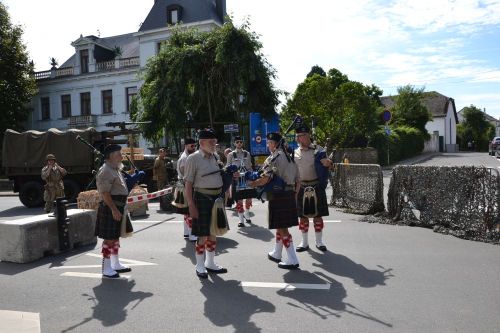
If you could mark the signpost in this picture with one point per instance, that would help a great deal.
(231, 128)
(387, 116)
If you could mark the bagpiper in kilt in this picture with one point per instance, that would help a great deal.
(180, 202)
(282, 209)
(312, 202)
(203, 191)
(242, 159)
(112, 217)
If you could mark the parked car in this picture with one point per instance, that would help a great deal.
(494, 145)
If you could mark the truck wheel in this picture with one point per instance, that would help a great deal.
(71, 189)
(31, 194)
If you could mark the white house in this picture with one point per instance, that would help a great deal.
(443, 126)
(492, 120)
(96, 84)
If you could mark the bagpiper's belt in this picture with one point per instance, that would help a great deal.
(309, 182)
(209, 191)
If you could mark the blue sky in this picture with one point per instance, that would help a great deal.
(452, 47)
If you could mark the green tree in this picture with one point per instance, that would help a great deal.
(316, 70)
(344, 111)
(475, 128)
(17, 84)
(218, 75)
(409, 109)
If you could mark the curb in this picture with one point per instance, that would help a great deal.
(411, 161)
(8, 194)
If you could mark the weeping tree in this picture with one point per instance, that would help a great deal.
(217, 75)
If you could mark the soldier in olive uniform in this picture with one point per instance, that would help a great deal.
(282, 204)
(52, 174)
(160, 170)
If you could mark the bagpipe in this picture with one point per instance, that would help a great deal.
(242, 189)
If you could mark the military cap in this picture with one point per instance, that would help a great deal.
(110, 149)
(51, 157)
(302, 129)
(274, 136)
(207, 133)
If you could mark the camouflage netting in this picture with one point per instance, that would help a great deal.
(358, 187)
(463, 201)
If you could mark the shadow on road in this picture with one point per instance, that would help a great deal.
(227, 304)
(340, 265)
(255, 231)
(9, 268)
(321, 303)
(110, 299)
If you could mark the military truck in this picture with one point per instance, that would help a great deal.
(23, 157)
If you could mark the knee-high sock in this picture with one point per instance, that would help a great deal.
(290, 250)
(200, 258)
(304, 228)
(278, 247)
(318, 228)
(210, 255)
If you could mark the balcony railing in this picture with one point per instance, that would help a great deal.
(99, 67)
(82, 121)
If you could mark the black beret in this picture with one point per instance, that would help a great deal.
(189, 141)
(302, 129)
(207, 133)
(274, 136)
(238, 138)
(110, 149)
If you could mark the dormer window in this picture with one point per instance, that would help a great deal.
(174, 14)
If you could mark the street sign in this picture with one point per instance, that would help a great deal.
(231, 128)
(387, 130)
(387, 115)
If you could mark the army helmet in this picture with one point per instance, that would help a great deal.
(51, 157)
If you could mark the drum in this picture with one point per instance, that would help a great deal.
(243, 191)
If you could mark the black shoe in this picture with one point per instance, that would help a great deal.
(321, 248)
(202, 275)
(241, 224)
(221, 270)
(302, 248)
(115, 276)
(248, 221)
(125, 270)
(270, 257)
(285, 266)
(186, 236)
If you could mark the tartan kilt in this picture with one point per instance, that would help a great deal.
(106, 227)
(204, 203)
(322, 202)
(282, 210)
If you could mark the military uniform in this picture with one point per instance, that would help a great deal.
(181, 164)
(241, 158)
(315, 202)
(54, 187)
(160, 173)
(282, 208)
(110, 180)
(206, 191)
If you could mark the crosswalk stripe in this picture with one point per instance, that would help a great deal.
(285, 286)
(92, 275)
(17, 321)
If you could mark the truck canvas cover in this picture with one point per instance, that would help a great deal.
(26, 152)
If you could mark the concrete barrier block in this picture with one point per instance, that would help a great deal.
(32, 238)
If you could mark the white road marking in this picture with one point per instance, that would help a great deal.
(154, 221)
(332, 221)
(285, 286)
(92, 275)
(16, 321)
(96, 266)
(135, 262)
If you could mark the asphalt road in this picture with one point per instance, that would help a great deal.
(374, 278)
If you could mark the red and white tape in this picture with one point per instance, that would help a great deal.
(144, 197)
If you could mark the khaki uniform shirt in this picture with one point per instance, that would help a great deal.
(305, 162)
(181, 164)
(240, 156)
(111, 180)
(159, 169)
(53, 177)
(286, 170)
(198, 164)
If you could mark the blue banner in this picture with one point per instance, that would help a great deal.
(259, 128)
